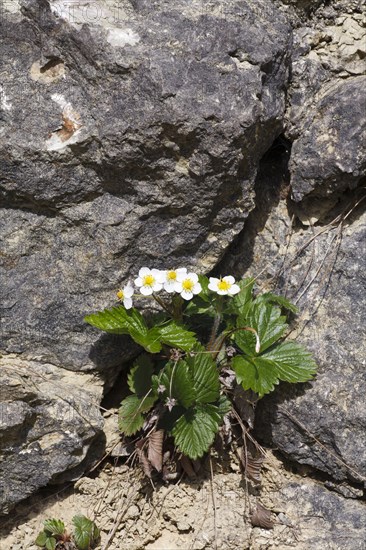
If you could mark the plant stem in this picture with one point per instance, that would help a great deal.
(163, 305)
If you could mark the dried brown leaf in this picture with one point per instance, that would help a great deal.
(155, 452)
(252, 465)
(146, 466)
(262, 518)
(187, 466)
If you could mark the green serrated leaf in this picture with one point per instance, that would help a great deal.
(256, 375)
(204, 375)
(85, 532)
(279, 300)
(51, 543)
(175, 335)
(139, 378)
(293, 363)
(150, 342)
(178, 382)
(267, 321)
(130, 414)
(195, 430)
(41, 539)
(118, 320)
(54, 526)
(287, 361)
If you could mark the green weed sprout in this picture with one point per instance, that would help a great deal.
(54, 534)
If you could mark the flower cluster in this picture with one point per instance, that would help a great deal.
(150, 281)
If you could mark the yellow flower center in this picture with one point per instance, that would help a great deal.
(223, 285)
(171, 275)
(187, 284)
(148, 280)
(120, 294)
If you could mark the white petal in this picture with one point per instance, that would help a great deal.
(181, 276)
(186, 295)
(181, 271)
(169, 286)
(213, 287)
(197, 288)
(144, 271)
(234, 289)
(178, 287)
(138, 282)
(214, 281)
(222, 292)
(127, 302)
(156, 287)
(159, 275)
(229, 279)
(128, 291)
(193, 277)
(146, 290)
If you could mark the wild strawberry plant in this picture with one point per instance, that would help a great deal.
(54, 535)
(206, 330)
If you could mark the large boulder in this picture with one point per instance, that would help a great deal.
(132, 140)
(127, 138)
(51, 429)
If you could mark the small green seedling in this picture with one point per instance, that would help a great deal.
(54, 535)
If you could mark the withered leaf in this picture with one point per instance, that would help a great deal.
(261, 518)
(155, 452)
(252, 466)
(187, 467)
(146, 466)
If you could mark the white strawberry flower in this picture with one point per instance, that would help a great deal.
(150, 280)
(125, 295)
(171, 278)
(187, 285)
(224, 285)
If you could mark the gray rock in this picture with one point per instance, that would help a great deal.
(319, 519)
(50, 427)
(328, 157)
(125, 143)
(322, 269)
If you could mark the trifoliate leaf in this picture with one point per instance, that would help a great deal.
(204, 375)
(287, 361)
(177, 336)
(177, 380)
(130, 417)
(254, 374)
(54, 526)
(293, 363)
(267, 321)
(195, 430)
(85, 532)
(139, 378)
